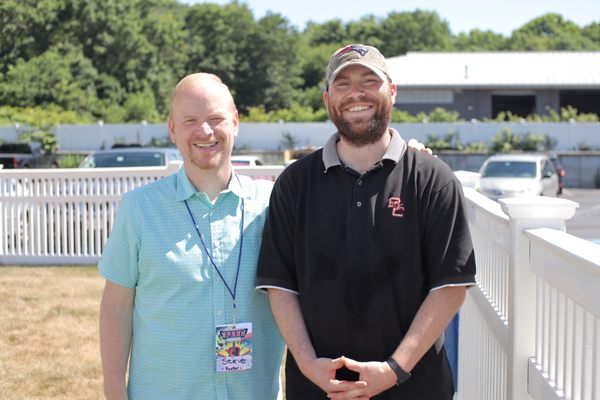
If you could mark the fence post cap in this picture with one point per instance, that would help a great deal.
(538, 208)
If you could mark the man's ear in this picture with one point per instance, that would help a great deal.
(236, 122)
(326, 98)
(171, 126)
(393, 91)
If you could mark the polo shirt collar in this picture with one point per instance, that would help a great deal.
(394, 151)
(185, 189)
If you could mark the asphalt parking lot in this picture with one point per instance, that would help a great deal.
(586, 221)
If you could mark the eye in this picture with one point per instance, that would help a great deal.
(341, 84)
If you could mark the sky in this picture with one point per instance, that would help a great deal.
(499, 16)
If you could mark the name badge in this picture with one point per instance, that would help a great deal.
(234, 347)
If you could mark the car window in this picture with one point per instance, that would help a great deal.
(548, 169)
(510, 169)
(240, 163)
(125, 159)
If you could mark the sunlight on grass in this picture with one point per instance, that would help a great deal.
(49, 340)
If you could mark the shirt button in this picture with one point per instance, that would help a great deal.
(360, 182)
(358, 204)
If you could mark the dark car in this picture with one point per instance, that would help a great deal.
(26, 155)
(560, 171)
(131, 157)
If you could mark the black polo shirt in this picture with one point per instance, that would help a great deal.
(363, 252)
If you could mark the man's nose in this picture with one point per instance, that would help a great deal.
(205, 129)
(357, 91)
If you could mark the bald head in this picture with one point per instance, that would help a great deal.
(201, 82)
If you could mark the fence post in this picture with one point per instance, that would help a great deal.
(525, 213)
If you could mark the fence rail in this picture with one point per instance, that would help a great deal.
(64, 216)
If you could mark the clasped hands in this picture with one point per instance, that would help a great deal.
(374, 377)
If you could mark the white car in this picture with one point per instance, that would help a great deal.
(246, 161)
(518, 175)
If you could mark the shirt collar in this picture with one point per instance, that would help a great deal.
(394, 151)
(185, 189)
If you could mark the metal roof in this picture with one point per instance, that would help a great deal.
(561, 70)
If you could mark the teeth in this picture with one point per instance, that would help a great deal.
(204, 145)
(358, 108)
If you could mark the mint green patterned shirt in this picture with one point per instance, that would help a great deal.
(179, 297)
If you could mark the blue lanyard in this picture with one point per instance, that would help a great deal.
(208, 253)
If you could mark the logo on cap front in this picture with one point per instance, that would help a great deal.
(359, 49)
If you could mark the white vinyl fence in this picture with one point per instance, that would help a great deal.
(530, 329)
(64, 216)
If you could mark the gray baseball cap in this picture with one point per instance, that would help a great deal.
(356, 54)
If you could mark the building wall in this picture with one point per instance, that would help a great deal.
(477, 103)
(268, 136)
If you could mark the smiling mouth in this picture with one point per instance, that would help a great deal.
(205, 145)
(358, 108)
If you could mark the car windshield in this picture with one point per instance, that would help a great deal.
(240, 163)
(125, 159)
(510, 169)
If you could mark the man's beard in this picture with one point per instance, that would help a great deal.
(365, 132)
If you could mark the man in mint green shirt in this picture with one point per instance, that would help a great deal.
(180, 264)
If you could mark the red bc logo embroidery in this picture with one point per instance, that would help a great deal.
(395, 203)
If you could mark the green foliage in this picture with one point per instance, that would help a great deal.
(61, 76)
(550, 32)
(439, 114)
(70, 160)
(566, 114)
(45, 138)
(414, 31)
(296, 113)
(476, 147)
(164, 141)
(477, 40)
(506, 141)
(119, 60)
(403, 116)
(141, 106)
(448, 142)
(39, 116)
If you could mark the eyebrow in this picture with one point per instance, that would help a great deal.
(366, 72)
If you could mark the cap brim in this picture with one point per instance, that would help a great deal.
(382, 75)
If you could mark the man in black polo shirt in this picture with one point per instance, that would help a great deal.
(366, 252)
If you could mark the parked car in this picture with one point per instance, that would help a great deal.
(131, 157)
(246, 161)
(518, 175)
(560, 170)
(26, 155)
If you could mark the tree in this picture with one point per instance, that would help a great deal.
(367, 30)
(25, 29)
(414, 31)
(550, 32)
(61, 76)
(217, 37)
(477, 40)
(330, 32)
(272, 51)
(592, 32)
